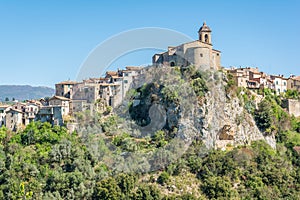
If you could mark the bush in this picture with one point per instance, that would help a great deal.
(163, 178)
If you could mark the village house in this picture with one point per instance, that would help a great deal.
(64, 88)
(63, 102)
(101, 92)
(14, 119)
(3, 111)
(50, 114)
(280, 83)
(247, 77)
(293, 83)
(30, 111)
(252, 78)
(129, 75)
(85, 91)
(199, 53)
(80, 105)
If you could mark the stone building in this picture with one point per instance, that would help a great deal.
(14, 119)
(51, 114)
(245, 77)
(63, 102)
(292, 106)
(30, 111)
(64, 88)
(199, 53)
(293, 83)
(3, 111)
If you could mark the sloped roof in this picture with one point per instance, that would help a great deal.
(296, 78)
(133, 68)
(67, 83)
(111, 73)
(4, 106)
(15, 110)
(60, 98)
(204, 28)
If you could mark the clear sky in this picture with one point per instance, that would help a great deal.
(44, 42)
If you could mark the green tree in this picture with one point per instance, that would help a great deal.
(264, 116)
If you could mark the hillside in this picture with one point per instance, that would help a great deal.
(23, 92)
(184, 135)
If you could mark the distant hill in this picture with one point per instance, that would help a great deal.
(24, 92)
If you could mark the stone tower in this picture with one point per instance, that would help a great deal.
(205, 34)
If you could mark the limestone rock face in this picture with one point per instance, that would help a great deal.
(218, 119)
(225, 121)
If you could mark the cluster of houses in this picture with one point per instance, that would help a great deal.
(252, 78)
(110, 90)
(99, 93)
(71, 97)
(20, 114)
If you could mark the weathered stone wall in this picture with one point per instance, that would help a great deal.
(292, 106)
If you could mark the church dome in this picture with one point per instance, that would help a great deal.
(204, 28)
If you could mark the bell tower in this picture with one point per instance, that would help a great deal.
(205, 34)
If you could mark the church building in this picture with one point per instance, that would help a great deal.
(199, 53)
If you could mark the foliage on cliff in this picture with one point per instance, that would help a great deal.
(44, 162)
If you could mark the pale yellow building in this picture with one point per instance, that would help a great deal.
(199, 53)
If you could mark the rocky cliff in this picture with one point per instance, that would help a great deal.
(212, 115)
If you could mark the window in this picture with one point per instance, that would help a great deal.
(276, 82)
(284, 83)
(125, 81)
(206, 38)
(201, 55)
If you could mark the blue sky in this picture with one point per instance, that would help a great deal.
(44, 42)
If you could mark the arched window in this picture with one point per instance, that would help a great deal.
(172, 64)
(206, 38)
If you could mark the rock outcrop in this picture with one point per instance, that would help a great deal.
(224, 120)
(218, 118)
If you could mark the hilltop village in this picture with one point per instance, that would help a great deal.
(109, 91)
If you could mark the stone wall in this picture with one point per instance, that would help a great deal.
(292, 106)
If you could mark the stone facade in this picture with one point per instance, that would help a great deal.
(64, 88)
(30, 112)
(3, 111)
(61, 101)
(292, 106)
(293, 83)
(14, 119)
(50, 114)
(199, 53)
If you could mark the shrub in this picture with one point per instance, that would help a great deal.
(163, 178)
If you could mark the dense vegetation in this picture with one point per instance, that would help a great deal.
(45, 162)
